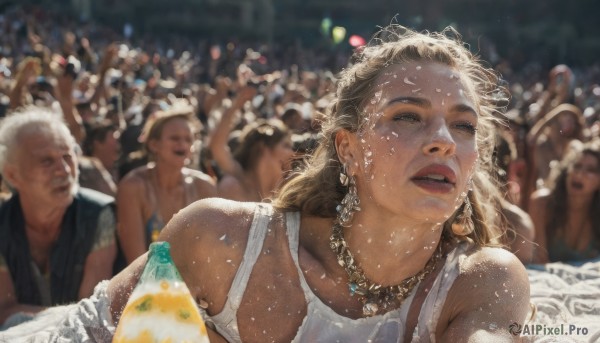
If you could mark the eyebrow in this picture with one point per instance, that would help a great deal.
(425, 103)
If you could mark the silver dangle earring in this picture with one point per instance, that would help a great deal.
(350, 202)
(463, 224)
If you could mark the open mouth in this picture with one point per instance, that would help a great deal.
(181, 153)
(577, 185)
(437, 178)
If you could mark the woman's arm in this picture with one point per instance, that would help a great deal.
(131, 226)
(490, 294)
(208, 239)
(220, 136)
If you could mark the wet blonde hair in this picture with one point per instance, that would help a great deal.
(316, 190)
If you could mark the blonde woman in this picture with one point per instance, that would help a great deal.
(150, 195)
(383, 237)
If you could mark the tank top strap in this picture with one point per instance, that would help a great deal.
(436, 297)
(293, 233)
(256, 237)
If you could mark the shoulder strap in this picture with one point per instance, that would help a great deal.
(293, 233)
(436, 297)
(256, 237)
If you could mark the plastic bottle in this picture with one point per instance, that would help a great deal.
(160, 308)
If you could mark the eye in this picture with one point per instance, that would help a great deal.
(466, 127)
(411, 118)
(47, 161)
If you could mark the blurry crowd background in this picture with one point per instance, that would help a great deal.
(246, 83)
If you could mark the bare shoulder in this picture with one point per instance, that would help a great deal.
(208, 239)
(134, 178)
(208, 218)
(229, 181)
(490, 293)
(200, 177)
(230, 187)
(497, 263)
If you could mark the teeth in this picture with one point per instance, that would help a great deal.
(436, 177)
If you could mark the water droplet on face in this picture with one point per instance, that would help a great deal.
(409, 82)
(372, 177)
(394, 134)
(395, 76)
(493, 326)
(418, 67)
(223, 237)
(403, 68)
(416, 90)
(496, 294)
(437, 90)
(376, 97)
(369, 153)
(448, 94)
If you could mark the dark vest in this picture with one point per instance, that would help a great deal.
(67, 257)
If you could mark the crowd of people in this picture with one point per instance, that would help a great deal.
(105, 143)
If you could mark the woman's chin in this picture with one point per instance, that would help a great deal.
(434, 213)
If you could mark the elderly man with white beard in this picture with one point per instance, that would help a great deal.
(57, 240)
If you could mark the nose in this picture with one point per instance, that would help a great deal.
(63, 167)
(440, 142)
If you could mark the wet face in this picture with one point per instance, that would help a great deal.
(175, 142)
(418, 148)
(584, 175)
(44, 168)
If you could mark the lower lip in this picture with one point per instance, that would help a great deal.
(63, 189)
(434, 186)
(576, 186)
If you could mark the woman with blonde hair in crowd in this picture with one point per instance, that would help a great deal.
(150, 195)
(566, 214)
(383, 233)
